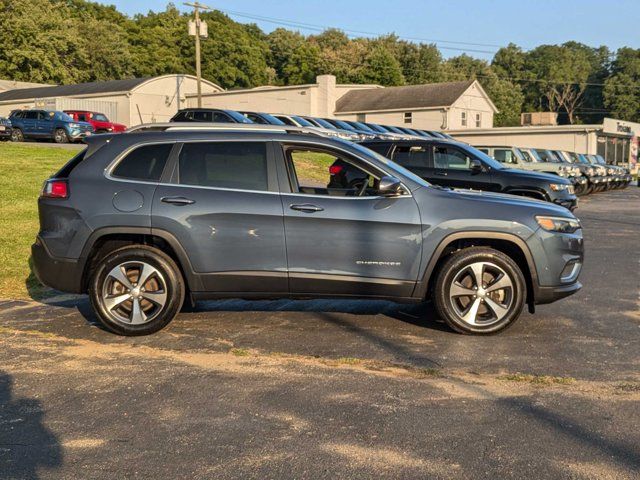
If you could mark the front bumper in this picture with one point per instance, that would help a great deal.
(579, 184)
(546, 295)
(6, 133)
(79, 134)
(58, 273)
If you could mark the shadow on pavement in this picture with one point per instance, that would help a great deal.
(26, 444)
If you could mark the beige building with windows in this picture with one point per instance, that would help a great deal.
(436, 106)
(131, 101)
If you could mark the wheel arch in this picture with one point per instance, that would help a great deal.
(509, 244)
(105, 240)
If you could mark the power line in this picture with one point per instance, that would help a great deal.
(355, 33)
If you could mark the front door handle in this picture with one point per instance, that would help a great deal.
(441, 173)
(308, 208)
(177, 200)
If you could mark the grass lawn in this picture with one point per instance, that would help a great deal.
(23, 167)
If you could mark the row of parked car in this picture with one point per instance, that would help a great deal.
(60, 126)
(517, 171)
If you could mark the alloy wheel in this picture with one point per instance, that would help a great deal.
(481, 294)
(134, 293)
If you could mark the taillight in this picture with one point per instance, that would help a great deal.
(55, 188)
(335, 169)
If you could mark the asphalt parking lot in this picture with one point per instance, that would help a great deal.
(336, 389)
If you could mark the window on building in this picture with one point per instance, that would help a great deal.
(224, 165)
(361, 117)
(478, 120)
(408, 117)
(144, 163)
(463, 118)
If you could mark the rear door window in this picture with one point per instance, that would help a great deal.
(236, 165)
(222, 118)
(144, 163)
(412, 156)
(202, 116)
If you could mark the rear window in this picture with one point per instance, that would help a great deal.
(224, 165)
(144, 163)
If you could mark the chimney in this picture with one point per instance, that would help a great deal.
(327, 95)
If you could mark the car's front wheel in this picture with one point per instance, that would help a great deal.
(17, 135)
(136, 290)
(60, 136)
(479, 290)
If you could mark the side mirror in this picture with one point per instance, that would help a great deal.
(390, 186)
(475, 165)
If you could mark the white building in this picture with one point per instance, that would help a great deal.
(131, 101)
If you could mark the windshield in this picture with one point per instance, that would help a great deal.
(343, 125)
(600, 160)
(61, 116)
(324, 123)
(271, 119)
(301, 121)
(362, 126)
(391, 164)
(582, 159)
(520, 154)
(492, 162)
(378, 128)
(238, 117)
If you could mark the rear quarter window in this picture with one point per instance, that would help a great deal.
(144, 163)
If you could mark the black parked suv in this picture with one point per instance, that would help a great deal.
(458, 165)
(208, 115)
(143, 220)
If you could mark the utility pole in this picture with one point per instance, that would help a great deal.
(196, 10)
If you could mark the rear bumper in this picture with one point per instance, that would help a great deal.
(62, 274)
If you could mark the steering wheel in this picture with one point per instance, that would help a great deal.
(363, 188)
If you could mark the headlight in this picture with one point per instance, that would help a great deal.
(609, 171)
(74, 125)
(591, 171)
(558, 224)
(558, 187)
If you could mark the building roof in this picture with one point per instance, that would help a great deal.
(14, 84)
(398, 98)
(70, 90)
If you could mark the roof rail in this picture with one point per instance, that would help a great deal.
(226, 127)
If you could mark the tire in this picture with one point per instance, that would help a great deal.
(125, 308)
(17, 135)
(495, 309)
(60, 136)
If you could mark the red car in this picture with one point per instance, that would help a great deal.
(100, 122)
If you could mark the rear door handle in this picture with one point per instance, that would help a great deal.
(308, 208)
(177, 200)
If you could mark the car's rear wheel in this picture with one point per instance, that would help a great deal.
(479, 290)
(136, 290)
(17, 135)
(60, 136)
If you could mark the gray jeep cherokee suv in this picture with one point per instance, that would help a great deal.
(145, 220)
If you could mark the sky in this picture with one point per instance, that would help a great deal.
(477, 27)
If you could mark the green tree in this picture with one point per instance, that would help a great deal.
(622, 88)
(562, 73)
(381, 67)
(295, 60)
